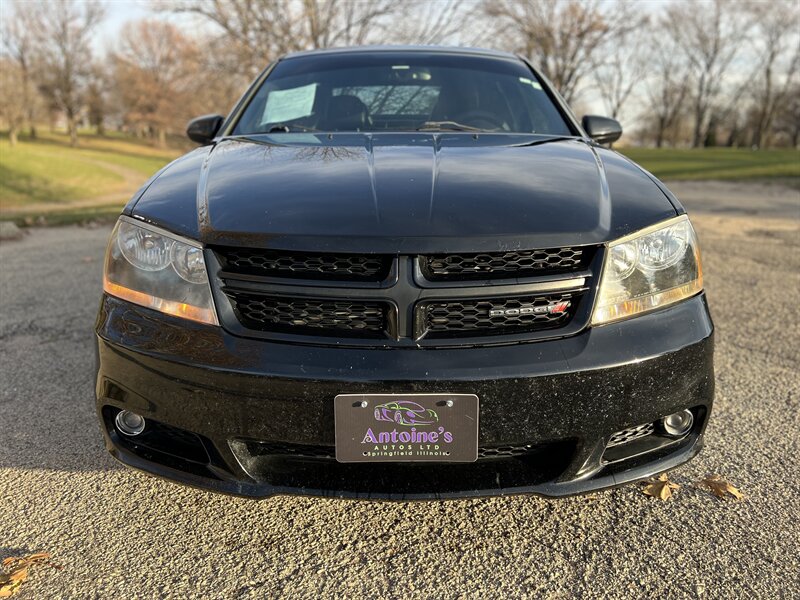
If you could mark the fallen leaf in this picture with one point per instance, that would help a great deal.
(17, 571)
(721, 488)
(10, 582)
(660, 488)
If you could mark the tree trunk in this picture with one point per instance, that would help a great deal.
(766, 136)
(732, 136)
(162, 138)
(710, 139)
(12, 135)
(72, 128)
(756, 139)
(660, 133)
(26, 87)
(698, 137)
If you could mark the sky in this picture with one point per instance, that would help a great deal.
(118, 12)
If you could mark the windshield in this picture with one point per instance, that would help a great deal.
(411, 91)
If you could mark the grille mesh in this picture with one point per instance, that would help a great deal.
(630, 434)
(505, 451)
(294, 315)
(311, 451)
(494, 265)
(528, 313)
(342, 267)
(289, 449)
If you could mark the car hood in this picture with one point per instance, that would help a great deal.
(415, 192)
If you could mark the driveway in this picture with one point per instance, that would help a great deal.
(122, 534)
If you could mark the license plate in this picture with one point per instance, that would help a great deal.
(406, 427)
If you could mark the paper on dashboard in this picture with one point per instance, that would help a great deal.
(287, 105)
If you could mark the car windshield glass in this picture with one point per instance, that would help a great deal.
(412, 91)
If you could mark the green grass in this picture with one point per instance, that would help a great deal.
(48, 170)
(118, 149)
(717, 163)
(32, 173)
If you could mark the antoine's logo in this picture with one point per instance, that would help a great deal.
(405, 412)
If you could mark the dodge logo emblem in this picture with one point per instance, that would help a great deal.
(554, 308)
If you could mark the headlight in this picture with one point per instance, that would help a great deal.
(152, 268)
(650, 269)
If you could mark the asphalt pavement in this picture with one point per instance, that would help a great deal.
(123, 534)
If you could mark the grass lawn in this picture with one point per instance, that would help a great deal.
(718, 163)
(102, 170)
(33, 173)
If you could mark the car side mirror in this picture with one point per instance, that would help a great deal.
(602, 129)
(203, 129)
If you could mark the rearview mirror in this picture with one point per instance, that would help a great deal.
(203, 129)
(602, 129)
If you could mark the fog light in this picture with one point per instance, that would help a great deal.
(678, 423)
(129, 423)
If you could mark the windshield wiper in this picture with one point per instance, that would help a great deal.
(447, 126)
(288, 128)
(547, 140)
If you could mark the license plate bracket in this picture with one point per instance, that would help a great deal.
(406, 427)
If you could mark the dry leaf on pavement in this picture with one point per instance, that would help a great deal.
(660, 488)
(16, 571)
(721, 488)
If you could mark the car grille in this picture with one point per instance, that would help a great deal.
(505, 451)
(630, 434)
(302, 265)
(287, 449)
(266, 313)
(499, 315)
(389, 300)
(495, 265)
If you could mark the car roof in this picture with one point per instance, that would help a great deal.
(401, 49)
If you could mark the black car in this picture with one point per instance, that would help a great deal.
(403, 273)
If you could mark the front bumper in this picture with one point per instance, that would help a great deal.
(255, 418)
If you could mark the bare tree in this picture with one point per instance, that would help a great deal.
(219, 76)
(787, 117)
(155, 70)
(62, 32)
(777, 26)
(666, 88)
(326, 23)
(18, 45)
(710, 35)
(431, 22)
(97, 97)
(12, 106)
(621, 66)
(260, 30)
(561, 36)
